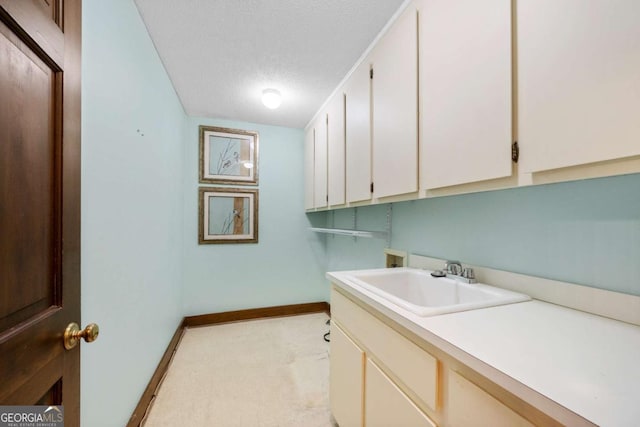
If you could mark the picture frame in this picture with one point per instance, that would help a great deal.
(227, 215)
(228, 156)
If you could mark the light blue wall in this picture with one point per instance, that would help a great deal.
(585, 232)
(288, 263)
(348, 253)
(142, 268)
(131, 210)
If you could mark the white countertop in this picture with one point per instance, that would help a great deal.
(586, 363)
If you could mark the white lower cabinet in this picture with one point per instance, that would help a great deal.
(362, 392)
(379, 377)
(470, 406)
(346, 376)
(386, 405)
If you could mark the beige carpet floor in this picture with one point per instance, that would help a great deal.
(262, 373)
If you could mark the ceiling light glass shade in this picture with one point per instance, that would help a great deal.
(271, 98)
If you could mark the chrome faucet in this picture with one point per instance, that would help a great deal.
(455, 270)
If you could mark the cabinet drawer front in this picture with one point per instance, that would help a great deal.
(471, 406)
(386, 405)
(413, 367)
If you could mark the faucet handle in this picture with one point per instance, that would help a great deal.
(453, 267)
(468, 273)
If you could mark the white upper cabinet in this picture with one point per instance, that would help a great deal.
(579, 81)
(336, 150)
(358, 134)
(562, 78)
(394, 100)
(320, 164)
(466, 97)
(309, 158)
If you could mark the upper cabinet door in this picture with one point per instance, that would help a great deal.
(579, 81)
(394, 99)
(309, 158)
(320, 163)
(358, 134)
(336, 150)
(465, 84)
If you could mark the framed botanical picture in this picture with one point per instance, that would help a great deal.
(227, 215)
(228, 156)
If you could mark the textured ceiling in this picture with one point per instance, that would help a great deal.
(221, 54)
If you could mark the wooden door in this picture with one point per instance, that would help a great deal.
(39, 202)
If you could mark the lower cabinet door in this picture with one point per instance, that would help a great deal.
(346, 377)
(470, 406)
(386, 405)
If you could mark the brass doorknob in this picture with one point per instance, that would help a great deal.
(73, 334)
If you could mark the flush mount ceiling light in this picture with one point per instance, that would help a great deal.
(271, 98)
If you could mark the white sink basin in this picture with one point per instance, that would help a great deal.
(419, 292)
